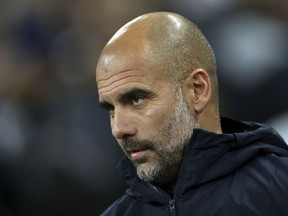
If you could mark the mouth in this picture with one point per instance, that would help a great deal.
(137, 154)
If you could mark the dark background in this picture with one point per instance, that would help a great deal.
(57, 156)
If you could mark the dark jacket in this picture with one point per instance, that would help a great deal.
(243, 171)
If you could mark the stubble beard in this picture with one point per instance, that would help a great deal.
(175, 137)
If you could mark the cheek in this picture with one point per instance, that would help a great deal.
(160, 109)
(157, 122)
(154, 120)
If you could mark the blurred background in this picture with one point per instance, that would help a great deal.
(57, 156)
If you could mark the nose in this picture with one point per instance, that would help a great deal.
(123, 125)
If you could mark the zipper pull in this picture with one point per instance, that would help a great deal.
(172, 204)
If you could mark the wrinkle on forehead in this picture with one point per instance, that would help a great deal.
(107, 84)
(110, 79)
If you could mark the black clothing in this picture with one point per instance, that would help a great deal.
(243, 171)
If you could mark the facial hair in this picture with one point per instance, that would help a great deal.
(169, 145)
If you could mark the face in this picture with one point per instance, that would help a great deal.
(168, 146)
(149, 118)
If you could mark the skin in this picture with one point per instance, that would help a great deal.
(154, 102)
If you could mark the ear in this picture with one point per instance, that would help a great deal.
(197, 90)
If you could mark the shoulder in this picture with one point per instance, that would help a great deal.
(268, 169)
(264, 179)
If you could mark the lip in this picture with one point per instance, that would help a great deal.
(138, 154)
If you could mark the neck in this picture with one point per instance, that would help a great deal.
(210, 120)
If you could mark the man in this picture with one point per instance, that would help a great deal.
(157, 78)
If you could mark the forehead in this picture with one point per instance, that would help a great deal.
(114, 82)
(112, 64)
(116, 70)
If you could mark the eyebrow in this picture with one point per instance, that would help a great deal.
(134, 91)
(124, 96)
(105, 105)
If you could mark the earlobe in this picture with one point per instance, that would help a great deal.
(197, 90)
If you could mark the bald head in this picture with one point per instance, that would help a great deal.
(173, 43)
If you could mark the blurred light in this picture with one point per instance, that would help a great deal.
(280, 123)
(11, 133)
(249, 46)
(203, 10)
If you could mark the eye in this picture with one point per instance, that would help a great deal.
(137, 100)
(111, 112)
(111, 109)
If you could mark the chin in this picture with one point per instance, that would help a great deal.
(148, 171)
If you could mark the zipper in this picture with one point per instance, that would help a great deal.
(172, 207)
(170, 202)
(181, 170)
